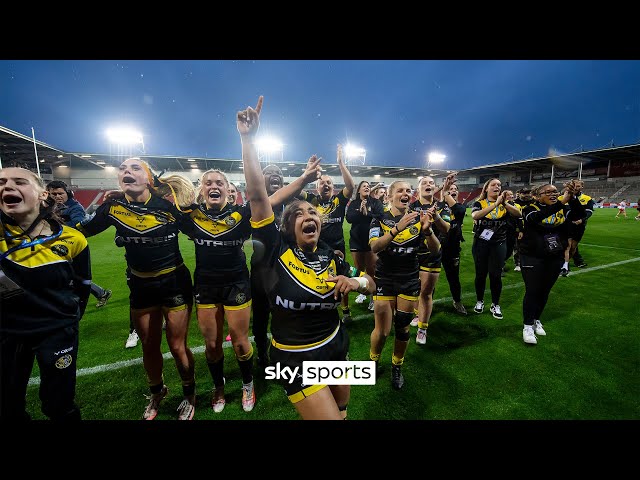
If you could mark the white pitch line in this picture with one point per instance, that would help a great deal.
(200, 349)
(607, 246)
(128, 363)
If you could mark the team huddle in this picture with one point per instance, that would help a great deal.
(400, 241)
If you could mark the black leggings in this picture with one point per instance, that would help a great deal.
(539, 276)
(451, 265)
(260, 308)
(56, 353)
(488, 259)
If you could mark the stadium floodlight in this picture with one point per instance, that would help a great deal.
(354, 155)
(125, 139)
(434, 158)
(269, 147)
(124, 136)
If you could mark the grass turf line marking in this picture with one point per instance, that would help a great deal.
(200, 349)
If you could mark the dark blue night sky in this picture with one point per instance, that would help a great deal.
(476, 112)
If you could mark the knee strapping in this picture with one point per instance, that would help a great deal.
(246, 356)
(402, 319)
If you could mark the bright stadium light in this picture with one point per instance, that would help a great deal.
(434, 158)
(354, 154)
(125, 140)
(269, 147)
(124, 136)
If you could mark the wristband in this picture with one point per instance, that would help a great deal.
(391, 232)
(364, 284)
(430, 232)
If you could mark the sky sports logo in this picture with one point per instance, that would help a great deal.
(326, 373)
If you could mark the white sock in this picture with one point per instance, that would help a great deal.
(566, 265)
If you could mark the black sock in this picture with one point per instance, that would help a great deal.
(156, 388)
(188, 390)
(217, 372)
(245, 362)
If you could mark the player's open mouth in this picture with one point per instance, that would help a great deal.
(10, 199)
(310, 228)
(128, 180)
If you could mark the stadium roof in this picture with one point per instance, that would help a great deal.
(18, 149)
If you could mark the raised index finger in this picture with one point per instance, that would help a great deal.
(259, 104)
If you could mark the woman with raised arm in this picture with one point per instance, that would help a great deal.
(546, 236)
(219, 229)
(451, 246)
(489, 248)
(45, 277)
(309, 279)
(396, 238)
(360, 212)
(159, 282)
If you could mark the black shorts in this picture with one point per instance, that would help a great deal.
(337, 349)
(390, 288)
(576, 231)
(234, 295)
(359, 245)
(172, 290)
(431, 262)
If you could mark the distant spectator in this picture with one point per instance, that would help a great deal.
(622, 208)
(72, 212)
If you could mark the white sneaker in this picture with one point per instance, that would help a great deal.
(371, 305)
(495, 310)
(421, 337)
(248, 396)
(528, 335)
(479, 308)
(538, 328)
(132, 340)
(414, 322)
(217, 400)
(517, 268)
(361, 298)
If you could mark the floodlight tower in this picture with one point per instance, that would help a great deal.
(434, 158)
(126, 140)
(270, 149)
(354, 155)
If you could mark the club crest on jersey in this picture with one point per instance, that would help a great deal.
(60, 250)
(64, 361)
(230, 221)
(413, 230)
(331, 271)
(161, 218)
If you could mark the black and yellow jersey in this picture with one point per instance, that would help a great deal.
(443, 210)
(54, 273)
(148, 230)
(495, 221)
(454, 235)
(400, 258)
(588, 205)
(303, 308)
(544, 222)
(332, 215)
(360, 224)
(521, 204)
(219, 236)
